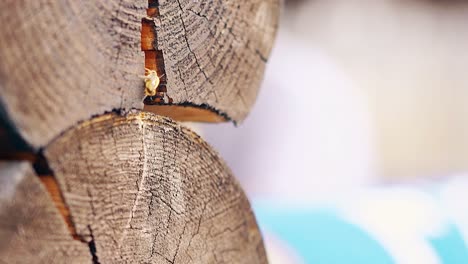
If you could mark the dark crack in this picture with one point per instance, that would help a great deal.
(188, 45)
(92, 247)
(261, 56)
(14, 146)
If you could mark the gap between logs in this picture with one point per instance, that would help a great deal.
(46, 175)
(21, 151)
(154, 60)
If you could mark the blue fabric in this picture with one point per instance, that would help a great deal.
(321, 236)
(450, 246)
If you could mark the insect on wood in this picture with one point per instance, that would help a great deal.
(152, 82)
(155, 85)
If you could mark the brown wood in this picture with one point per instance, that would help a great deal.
(144, 189)
(31, 228)
(51, 186)
(62, 62)
(186, 113)
(215, 51)
(128, 187)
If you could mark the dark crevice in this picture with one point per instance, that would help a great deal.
(49, 181)
(41, 165)
(209, 108)
(261, 56)
(13, 145)
(153, 3)
(92, 247)
(118, 111)
(154, 58)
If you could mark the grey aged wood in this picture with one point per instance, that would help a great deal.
(31, 228)
(144, 189)
(215, 51)
(65, 61)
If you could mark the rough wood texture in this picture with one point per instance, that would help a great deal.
(31, 229)
(215, 51)
(51, 185)
(144, 189)
(64, 61)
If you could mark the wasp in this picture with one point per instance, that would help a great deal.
(152, 81)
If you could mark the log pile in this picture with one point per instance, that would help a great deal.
(92, 169)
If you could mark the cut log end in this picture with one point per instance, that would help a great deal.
(146, 189)
(137, 188)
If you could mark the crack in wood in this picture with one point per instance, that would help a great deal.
(154, 59)
(188, 45)
(92, 247)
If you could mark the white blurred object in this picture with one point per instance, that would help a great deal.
(410, 58)
(401, 219)
(402, 223)
(453, 196)
(309, 136)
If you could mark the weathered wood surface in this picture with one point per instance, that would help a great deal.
(31, 228)
(65, 61)
(144, 189)
(215, 51)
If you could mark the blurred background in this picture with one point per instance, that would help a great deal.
(357, 147)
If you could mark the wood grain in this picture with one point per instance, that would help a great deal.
(144, 189)
(215, 51)
(64, 61)
(31, 228)
(50, 184)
